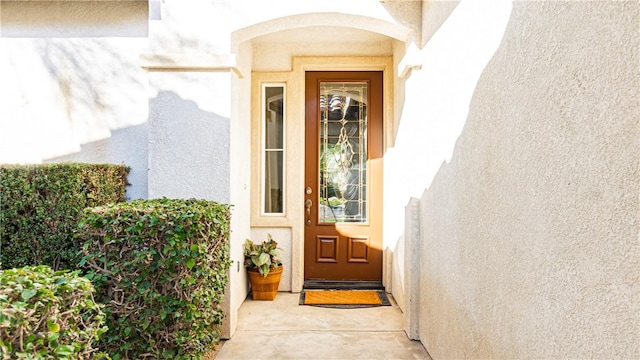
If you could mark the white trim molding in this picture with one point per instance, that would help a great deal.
(190, 62)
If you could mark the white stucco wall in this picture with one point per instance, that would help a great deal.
(529, 232)
(204, 25)
(432, 104)
(71, 88)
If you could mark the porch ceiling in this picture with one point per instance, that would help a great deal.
(274, 51)
(322, 35)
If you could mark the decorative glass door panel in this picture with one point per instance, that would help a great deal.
(343, 152)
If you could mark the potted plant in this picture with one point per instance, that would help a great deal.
(264, 267)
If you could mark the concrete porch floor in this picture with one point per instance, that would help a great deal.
(282, 329)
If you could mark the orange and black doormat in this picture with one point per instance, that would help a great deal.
(344, 298)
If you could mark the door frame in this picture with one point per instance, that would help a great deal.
(293, 221)
(300, 66)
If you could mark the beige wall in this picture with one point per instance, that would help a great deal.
(529, 235)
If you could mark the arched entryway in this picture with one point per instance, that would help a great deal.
(278, 53)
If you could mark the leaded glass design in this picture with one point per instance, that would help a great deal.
(343, 152)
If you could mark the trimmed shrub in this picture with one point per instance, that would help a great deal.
(47, 314)
(40, 206)
(161, 267)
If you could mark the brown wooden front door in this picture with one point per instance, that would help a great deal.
(343, 176)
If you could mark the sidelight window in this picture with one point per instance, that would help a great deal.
(273, 100)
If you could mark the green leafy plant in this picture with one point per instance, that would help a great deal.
(40, 206)
(262, 257)
(161, 267)
(47, 314)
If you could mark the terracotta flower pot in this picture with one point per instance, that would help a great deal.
(265, 288)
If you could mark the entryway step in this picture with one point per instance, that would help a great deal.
(343, 285)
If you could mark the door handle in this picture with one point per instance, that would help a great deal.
(308, 205)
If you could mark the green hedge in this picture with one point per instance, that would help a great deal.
(161, 267)
(46, 314)
(40, 206)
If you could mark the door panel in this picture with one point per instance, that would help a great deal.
(343, 175)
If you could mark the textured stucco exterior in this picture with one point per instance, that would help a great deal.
(188, 146)
(71, 86)
(530, 233)
(74, 18)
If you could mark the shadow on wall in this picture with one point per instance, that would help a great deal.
(92, 77)
(437, 96)
(529, 234)
(188, 150)
(59, 93)
(434, 14)
(182, 152)
(407, 13)
(128, 146)
(437, 99)
(424, 18)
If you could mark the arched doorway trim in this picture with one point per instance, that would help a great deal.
(335, 19)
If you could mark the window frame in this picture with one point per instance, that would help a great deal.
(264, 151)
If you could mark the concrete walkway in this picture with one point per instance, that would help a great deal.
(282, 329)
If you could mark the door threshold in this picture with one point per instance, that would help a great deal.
(343, 284)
